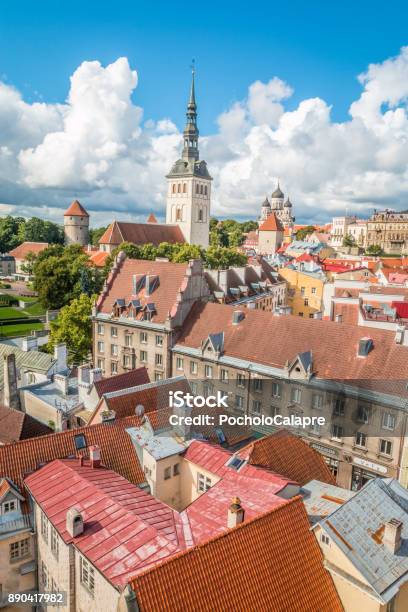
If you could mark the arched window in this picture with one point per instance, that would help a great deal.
(200, 214)
(201, 189)
(205, 190)
(174, 187)
(197, 188)
(179, 188)
(184, 187)
(179, 214)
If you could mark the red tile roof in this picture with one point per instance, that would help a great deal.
(141, 233)
(152, 396)
(272, 562)
(348, 312)
(125, 529)
(25, 248)
(271, 224)
(16, 425)
(139, 376)
(117, 451)
(286, 454)
(75, 209)
(336, 358)
(172, 280)
(98, 258)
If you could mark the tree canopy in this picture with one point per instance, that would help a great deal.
(229, 233)
(15, 230)
(95, 234)
(74, 327)
(374, 249)
(305, 231)
(64, 273)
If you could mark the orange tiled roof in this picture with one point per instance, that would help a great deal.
(271, 224)
(75, 209)
(138, 376)
(117, 452)
(141, 233)
(336, 358)
(286, 454)
(98, 258)
(272, 562)
(171, 278)
(25, 248)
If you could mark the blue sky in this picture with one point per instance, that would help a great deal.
(278, 95)
(317, 47)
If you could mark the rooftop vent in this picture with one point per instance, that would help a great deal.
(95, 456)
(392, 539)
(365, 345)
(237, 317)
(236, 513)
(74, 522)
(139, 410)
(108, 416)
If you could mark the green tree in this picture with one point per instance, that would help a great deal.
(348, 241)
(29, 262)
(248, 226)
(374, 249)
(220, 258)
(187, 252)
(9, 233)
(95, 234)
(305, 231)
(74, 327)
(38, 230)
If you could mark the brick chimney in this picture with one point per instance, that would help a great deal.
(236, 513)
(11, 397)
(95, 456)
(392, 539)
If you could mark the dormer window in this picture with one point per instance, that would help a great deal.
(9, 506)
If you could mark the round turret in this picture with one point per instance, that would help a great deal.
(76, 224)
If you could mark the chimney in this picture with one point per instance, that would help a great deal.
(62, 382)
(94, 375)
(392, 539)
(81, 460)
(401, 335)
(29, 344)
(236, 513)
(181, 429)
(60, 354)
(95, 456)
(365, 345)
(237, 317)
(83, 374)
(11, 396)
(74, 522)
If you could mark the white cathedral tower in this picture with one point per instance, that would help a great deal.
(189, 185)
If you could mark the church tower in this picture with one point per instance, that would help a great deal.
(189, 184)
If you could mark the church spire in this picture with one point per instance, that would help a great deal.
(190, 134)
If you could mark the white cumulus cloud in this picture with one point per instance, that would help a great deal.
(97, 146)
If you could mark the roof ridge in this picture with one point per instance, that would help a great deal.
(297, 500)
(151, 385)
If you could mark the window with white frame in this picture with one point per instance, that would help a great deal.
(208, 371)
(315, 428)
(143, 356)
(193, 367)
(87, 575)
(114, 367)
(114, 350)
(143, 337)
(101, 329)
(9, 506)
(19, 549)
(167, 473)
(296, 395)
(179, 363)
(258, 385)
(337, 432)
(224, 375)
(361, 439)
(256, 406)
(240, 380)
(276, 389)
(114, 332)
(385, 447)
(363, 414)
(193, 387)
(239, 402)
(101, 347)
(159, 340)
(203, 483)
(158, 359)
(317, 401)
(388, 421)
(339, 406)
(128, 339)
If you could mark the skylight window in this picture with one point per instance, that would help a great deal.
(80, 441)
(235, 463)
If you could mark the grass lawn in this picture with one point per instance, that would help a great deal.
(20, 329)
(34, 310)
(8, 312)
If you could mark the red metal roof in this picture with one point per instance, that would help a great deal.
(125, 529)
(401, 308)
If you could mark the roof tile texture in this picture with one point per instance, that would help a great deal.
(25, 248)
(141, 233)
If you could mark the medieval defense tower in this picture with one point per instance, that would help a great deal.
(76, 224)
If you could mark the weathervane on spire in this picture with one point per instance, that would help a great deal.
(192, 66)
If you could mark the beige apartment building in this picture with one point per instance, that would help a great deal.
(289, 366)
(389, 230)
(140, 312)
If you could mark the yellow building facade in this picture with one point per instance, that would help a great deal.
(305, 292)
